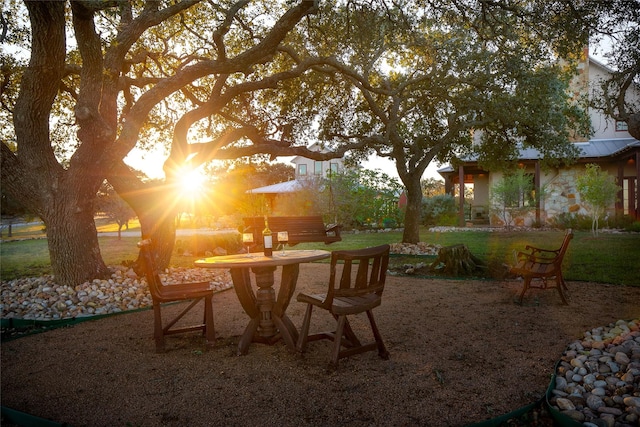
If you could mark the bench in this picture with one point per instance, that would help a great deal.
(543, 264)
(301, 229)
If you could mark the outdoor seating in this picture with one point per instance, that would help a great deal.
(544, 265)
(300, 229)
(349, 294)
(160, 293)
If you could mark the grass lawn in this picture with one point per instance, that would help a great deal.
(609, 258)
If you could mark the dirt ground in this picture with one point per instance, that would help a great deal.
(461, 352)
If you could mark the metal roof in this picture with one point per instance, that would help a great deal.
(608, 147)
(591, 149)
(281, 187)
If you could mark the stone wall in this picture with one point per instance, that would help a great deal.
(560, 197)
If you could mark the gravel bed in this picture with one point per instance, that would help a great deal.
(598, 377)
(41, 298)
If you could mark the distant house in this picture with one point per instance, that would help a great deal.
(308, 173)
(313, 169)
(611, 147)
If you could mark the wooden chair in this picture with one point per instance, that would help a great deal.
(545, 265)
(349, 295)
(197, 291)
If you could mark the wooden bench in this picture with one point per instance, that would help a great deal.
(543, 264)
(300, 229)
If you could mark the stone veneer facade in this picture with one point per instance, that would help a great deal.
(560, 196)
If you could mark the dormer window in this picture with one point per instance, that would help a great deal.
(621, 126)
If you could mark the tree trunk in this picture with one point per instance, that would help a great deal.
(73, 244)
(160, 227)
(155, 205)
(413, 214)
(63, 198)
(456, 260)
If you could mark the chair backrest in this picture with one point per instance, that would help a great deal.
(150, 270)
(370, 275)
(568, 235)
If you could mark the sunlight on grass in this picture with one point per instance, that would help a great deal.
(105, 225)
(33, 230)
(610, 258)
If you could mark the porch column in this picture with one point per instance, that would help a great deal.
(461, 220)
(448, 185)
(536, 184)
(637, 198)
(620, 194)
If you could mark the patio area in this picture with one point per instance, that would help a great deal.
(461, 352)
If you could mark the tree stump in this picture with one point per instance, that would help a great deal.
(457, 260)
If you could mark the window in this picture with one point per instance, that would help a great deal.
(302, 170)
(317, 168)
(621, 126)
(333, 168)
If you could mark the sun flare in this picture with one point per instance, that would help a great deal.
(192, 181)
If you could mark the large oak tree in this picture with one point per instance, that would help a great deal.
(421, 84)
(126, 75)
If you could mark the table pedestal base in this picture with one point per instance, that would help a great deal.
(268, 323)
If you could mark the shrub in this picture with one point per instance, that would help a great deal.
(571, 220)
(634, 226)
(620, 221)
(198, 245)
(439, 210)
(389, 223)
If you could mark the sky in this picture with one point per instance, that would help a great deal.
(151, 164)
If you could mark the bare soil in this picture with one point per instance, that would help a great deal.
(461, 352)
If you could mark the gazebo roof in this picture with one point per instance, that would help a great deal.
(279, 188)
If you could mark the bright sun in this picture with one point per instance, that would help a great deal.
(192, 181)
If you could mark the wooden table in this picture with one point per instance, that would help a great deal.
(269, 321)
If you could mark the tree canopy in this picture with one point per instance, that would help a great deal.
(419, 84)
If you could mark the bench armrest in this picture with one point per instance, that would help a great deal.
(532, 257)
(533, 250)
(334, 228)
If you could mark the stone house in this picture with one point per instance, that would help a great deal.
(610, 146)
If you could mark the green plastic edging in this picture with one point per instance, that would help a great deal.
(47, 325)
(502, 420)
(559, 418)
(25, 420)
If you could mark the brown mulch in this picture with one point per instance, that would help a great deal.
(461, 352)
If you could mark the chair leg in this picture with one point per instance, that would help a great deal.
(304, 330)
(562, 287)
(209, 327)
(525, 287)
(337, 342)
(382, 350)
(158, 333)
(348, 334)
